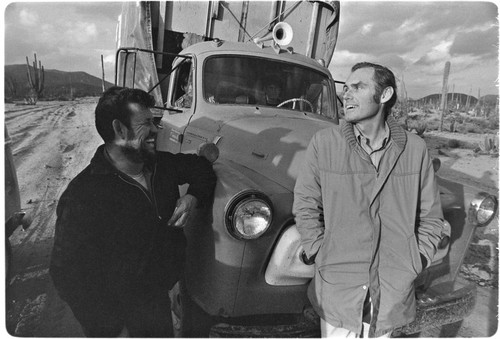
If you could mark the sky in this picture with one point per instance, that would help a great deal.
(67, 36)
(414, 39)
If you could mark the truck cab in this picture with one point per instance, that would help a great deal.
(227, 83)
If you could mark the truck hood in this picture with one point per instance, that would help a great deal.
(271, 145)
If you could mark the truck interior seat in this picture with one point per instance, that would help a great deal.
(313, 92)
(224, 93)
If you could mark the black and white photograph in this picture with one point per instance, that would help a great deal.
(242, 169)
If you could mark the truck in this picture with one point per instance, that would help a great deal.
(246, 84)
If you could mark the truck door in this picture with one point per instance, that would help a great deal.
(181, 104)
(200, 127)
(197, 133)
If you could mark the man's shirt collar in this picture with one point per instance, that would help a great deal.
(365, 142)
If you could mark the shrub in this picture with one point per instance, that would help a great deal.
(453, 143)
(472, 129)
(462, 128)
(493, 121)
(481, 123)
(410, 124)
(421, 126)
(416, 123)
(433, 124)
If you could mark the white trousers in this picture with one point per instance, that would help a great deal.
(330, 331)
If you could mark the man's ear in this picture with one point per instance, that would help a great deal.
(386, 94)
(120, 129)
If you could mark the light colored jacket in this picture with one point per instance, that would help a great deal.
(367, 228)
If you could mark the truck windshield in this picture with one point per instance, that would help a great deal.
(246, 80)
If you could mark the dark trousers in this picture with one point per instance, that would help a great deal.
(150, 319)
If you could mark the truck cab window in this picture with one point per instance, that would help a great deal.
(183, 97)
(241, 80)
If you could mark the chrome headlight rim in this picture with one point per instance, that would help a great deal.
(236, 202)
(478, 205)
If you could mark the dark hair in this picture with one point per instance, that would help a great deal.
(383, 78)
(114, 104)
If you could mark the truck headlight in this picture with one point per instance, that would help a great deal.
(482, 209)
(248, 214)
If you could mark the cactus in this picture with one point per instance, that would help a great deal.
(35, 82)
(488, 143)
(444, 94)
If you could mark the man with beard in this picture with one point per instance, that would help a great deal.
(119, 244)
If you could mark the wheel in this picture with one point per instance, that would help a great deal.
(294, 100)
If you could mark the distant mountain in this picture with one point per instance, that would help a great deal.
(461, 99)
(57, 84)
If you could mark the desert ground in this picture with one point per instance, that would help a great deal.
(53, 141)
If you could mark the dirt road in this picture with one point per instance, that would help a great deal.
(52, 142)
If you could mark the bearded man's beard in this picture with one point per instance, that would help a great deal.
(137, 153)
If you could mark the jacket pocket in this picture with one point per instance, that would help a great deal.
(415, 254)
(401, 265)
(396, 280)
(335, 275)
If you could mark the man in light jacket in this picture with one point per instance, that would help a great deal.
(368, 211)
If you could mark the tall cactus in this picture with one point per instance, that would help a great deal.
(35, 82)
(444, 95)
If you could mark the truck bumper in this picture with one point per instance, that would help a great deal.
(432, 311)
(308, 327)
(441, 309)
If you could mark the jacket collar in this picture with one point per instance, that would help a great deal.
(101, 165)
(398, 134)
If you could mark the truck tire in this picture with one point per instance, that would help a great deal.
(189, 320)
